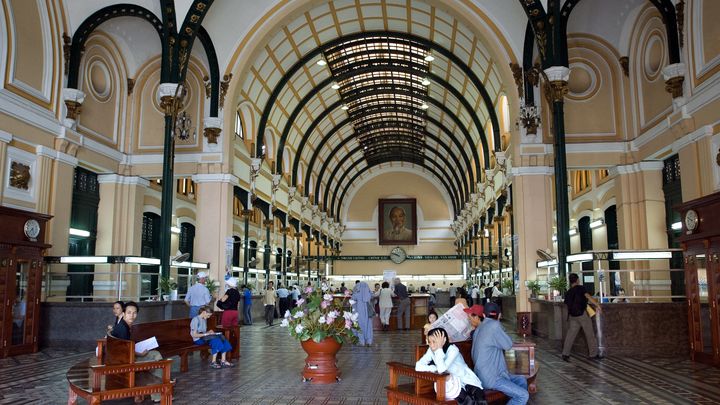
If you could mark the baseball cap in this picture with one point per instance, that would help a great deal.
(492, 308)
(202, 274)
(474, 310)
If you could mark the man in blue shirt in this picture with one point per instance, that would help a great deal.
(489, 343)
(247, 305)
(198, 295)
(283, 302)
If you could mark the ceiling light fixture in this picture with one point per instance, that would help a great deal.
(344, 107)
(429, 58)
(321, 62)
(335, 86)
(426, 82)
(424, 106)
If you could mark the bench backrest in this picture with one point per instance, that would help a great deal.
(119, 351)
(166, 332)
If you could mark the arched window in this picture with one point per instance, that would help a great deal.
(237, 246)
(611, 227)
(586, 244)
(252, 254)
(505, 114)
(239, 132)
(187, 239)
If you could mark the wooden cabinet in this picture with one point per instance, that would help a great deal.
(21, 266)
(701, 248)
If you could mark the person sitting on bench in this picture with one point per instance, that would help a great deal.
(121, 330)
(217, 342)
(489, 342)
(443, 357)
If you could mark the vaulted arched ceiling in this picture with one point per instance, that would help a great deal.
(348, 86)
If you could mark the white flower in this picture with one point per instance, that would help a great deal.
(299, 328)
(327, 297)
(354, 316)
(299, 314)
(321, 319)
(347, 315)
(287, 314)
(284, 323)
(352, 302)
(333, 314)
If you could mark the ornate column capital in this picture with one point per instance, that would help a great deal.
(165, 96)
(212, 126)
(674, 76)
(558, 77)
(73, 102)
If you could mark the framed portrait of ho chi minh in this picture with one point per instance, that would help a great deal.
(397, 221)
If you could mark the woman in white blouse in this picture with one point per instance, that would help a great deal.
(385, 294)
(443, 357)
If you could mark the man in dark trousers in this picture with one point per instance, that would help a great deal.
(576, 300)
(403, 304)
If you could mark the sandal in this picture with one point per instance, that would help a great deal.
(227, 364)
(215, 366)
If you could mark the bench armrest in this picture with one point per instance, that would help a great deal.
(100, 370)
(100, 351)
(226, 330)
(398, 369)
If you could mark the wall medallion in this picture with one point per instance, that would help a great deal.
(19, 176)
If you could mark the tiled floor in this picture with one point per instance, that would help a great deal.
(269, 373)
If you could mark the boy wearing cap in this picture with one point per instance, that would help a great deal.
(489, 343)
(198, 295)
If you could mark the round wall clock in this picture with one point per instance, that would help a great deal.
(398, 255)
(32, 229)
(691, 220)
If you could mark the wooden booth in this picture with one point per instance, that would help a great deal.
(701, 247)
(21, 267)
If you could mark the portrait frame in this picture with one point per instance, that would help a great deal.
(385, 226)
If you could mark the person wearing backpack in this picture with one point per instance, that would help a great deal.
(576, 300)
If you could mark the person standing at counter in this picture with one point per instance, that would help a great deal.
(385, 296)
(403, 304)
(269, 302)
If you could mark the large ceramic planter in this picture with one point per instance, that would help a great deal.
(320, 363)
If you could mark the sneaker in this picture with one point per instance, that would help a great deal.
(565, 358)
(215, 366)
(227, 364)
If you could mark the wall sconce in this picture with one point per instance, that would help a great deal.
(597, 223)
(573, 231)
(529, 117)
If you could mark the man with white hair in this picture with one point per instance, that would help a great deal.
(198, 295)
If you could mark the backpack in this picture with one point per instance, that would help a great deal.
(576, 301)
(488, 292)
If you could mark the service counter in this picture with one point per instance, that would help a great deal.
(418, 312)
(638, 329)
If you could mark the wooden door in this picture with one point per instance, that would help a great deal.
(5, 302)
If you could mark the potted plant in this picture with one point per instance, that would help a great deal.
(322, 324)
(558, 284)
(534, 287)
(507, 286)
(212, 287)
(168, 285)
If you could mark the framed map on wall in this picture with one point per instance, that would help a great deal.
(397, 221)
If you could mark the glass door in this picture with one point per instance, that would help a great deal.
(705, 320)
(18, 295)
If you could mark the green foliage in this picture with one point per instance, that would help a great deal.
(167, 284)
(558, 283)
(211, 285)
(507, 284)
(533, 286)
(320, 315)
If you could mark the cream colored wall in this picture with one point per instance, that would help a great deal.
(361, 235)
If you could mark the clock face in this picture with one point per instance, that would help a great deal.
(691, 220)
(398, 255)
(32, 229)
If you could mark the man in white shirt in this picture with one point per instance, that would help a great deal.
(198, 295)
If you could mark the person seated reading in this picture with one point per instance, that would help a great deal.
(202, 336)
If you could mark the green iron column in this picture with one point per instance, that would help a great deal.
(246, 244)
(267, 249)
(558, 77)
(170, 104)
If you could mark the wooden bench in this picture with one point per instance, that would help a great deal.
(173, 337)
(422, 391)
(119, 377)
